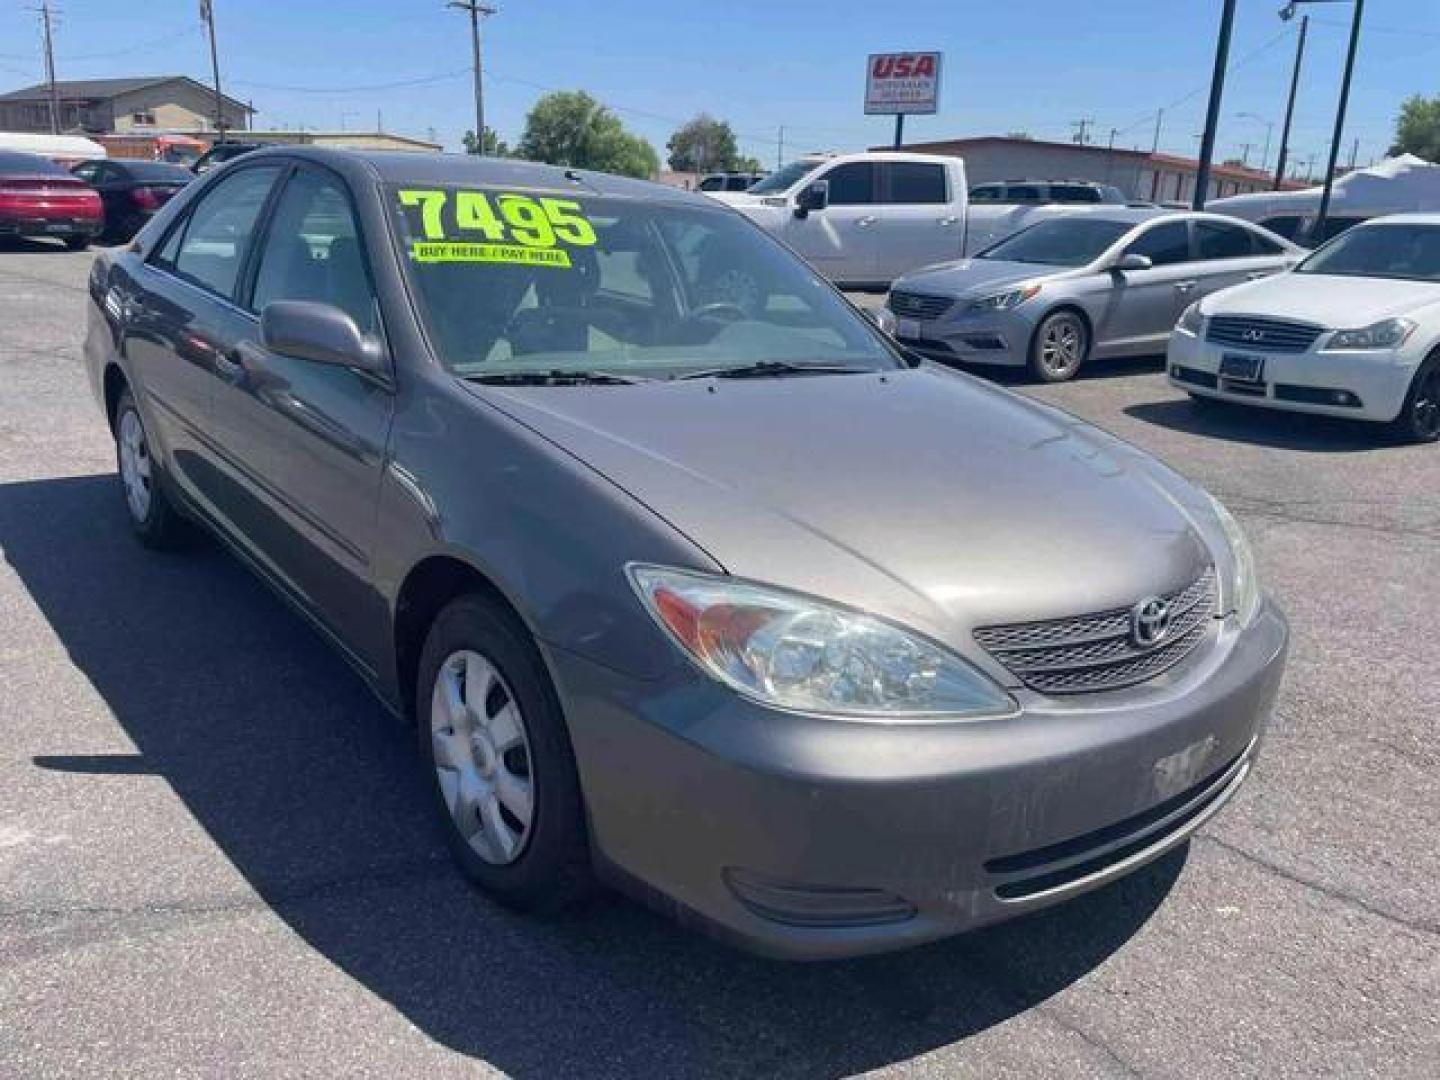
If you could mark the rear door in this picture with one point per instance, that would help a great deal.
(1144, 304)
(306, 441)
(839, 241)
(918, 224)
(1228, 254)
(183, 326)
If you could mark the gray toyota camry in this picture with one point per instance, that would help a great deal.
(691, 580)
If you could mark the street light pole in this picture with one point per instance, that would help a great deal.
(1212, 114)
(1340, 118)
(1290, 105)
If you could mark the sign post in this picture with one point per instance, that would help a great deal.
(902, 84)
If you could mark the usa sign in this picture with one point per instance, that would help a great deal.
(907, 82)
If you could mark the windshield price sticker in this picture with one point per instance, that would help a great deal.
(505, 226)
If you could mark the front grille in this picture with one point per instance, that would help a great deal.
(1098, 652)
(909, 305)
(1265, 335)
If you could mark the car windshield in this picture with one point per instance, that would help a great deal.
(541, 282)
(785, 177)
(1397, 250)
(1068, 241)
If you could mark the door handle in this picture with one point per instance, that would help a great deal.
(952, 220)
(1256, 275)
(230, 365)
(866, 221)
(1184, 286)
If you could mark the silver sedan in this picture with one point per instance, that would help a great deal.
(1072, 289)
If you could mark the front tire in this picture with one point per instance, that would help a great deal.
(1061, 344)
(153, 517)
(494, 742)
(1419, 419)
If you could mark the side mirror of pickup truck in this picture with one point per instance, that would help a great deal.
(814, 196)
(1132, 262)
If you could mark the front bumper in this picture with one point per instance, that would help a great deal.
(810, 838)
(1001, 338)
(50, 226)
(1360, 385)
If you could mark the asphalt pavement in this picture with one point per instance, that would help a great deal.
(216, 859)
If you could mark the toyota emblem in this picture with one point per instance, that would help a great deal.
(1149, 622)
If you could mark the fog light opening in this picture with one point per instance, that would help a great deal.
(799, 904)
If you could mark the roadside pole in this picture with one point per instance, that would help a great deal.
(207, 15)
(1290, 105)
(899, 130)
(53, 90)
(1212, 114)
(476, 10)
(1340, 118)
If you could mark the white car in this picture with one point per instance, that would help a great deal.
(1353, 330)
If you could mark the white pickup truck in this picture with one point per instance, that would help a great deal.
(863, 219)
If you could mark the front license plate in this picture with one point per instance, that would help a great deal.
(1243, 368)
(907, 328)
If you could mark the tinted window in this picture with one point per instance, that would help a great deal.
(1164, 244)
(852, 184)
(312, 251)
(156, 172)
(1264, 245)
(220, 229)
(914, 182)
(1218, 240)
(738, 183)
(1074, 193)
(88, 171)
(712, 183)
(1061, 241)
(1024, 193)
(783, 179)
(1396, 250)
(988, 193)
(1334, 226)
(1287, 225)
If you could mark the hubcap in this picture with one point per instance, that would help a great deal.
(135, 465)
(1427, 405)
(1062, 345)
(482, 757)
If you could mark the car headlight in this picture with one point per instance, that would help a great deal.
(1004, 301)
(1244, 597)
(799, 653)
(1386, 334)
(1191, 320)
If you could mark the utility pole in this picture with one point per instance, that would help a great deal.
(1290, 104)
(1110, 153)
(1340, 117)
(53, 90)
(477, 11)
(207, 16)
(1081, 126)
(780, 149)
(1159, 116)
(1212, 114)
(1245, 154)
(1354, 152)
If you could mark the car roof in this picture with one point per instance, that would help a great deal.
(1419, 217)
(419, 167)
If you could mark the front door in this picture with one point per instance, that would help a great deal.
(839, 241)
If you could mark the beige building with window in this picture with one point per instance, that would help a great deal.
(121, 106)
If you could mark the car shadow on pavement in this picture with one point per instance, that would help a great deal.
(313, 794)
(1262, 427)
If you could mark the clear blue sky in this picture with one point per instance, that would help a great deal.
(1009, 67)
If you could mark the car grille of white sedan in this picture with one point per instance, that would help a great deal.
(1265, 335)
(1109, 649)
(910, 305)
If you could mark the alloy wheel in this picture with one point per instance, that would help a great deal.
(135, 470)
(482, 757)
(1062, 346)
(1425, 412)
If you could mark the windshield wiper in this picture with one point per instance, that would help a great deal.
(554, 378)
(769, 369)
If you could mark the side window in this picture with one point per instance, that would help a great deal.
(913, 182)
(1164, 244)
(312, 251)
(1074, 193)
(87, 172)
(1263, 244)
(852, 184)
(1287, 225)
(1219, 240)
(987, 193)
(1024, 193)
(209, 248)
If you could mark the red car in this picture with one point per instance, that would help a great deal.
(39, 198)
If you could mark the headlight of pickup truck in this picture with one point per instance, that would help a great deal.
(800, 653)
(1004, 301)
(1386, 334)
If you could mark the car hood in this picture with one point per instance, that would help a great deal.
(1326, 300)
(972, 277)
(925, 496)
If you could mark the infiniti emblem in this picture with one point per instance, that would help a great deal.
(1253, 335)
(1149, 621)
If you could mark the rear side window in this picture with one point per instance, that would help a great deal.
(312, 251)
(1024, 193)
(1287, 225)
(1074, 193)
(1217, 240)
(1263, 244)
(1164, 244)
(215, 237)
(852, 184)
(988, 193)
(913, 182)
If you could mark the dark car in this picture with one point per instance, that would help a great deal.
(690, 579)
(39, 198)
(221, 153)
(132, 191)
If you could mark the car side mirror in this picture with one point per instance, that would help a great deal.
(814, 196)
(320, 333)
(882, 318)
(1133, 262)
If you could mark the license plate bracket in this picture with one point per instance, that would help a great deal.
(1242, 368)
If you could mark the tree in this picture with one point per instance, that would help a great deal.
(494, 147)
(1417, 130)
(747, 165)
(704, 145)
(572, 128)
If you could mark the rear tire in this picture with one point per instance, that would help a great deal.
(153, 516)
(494, 744)
(1059, 347)
(1419, 419)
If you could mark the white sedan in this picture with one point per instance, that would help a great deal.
(1354, 330)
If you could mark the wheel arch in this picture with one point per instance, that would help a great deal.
(113, 384)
